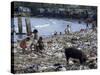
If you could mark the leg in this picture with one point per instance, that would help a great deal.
(67, 62)
(67, 59)
(23, 50)
(31, 46)
(81, 61)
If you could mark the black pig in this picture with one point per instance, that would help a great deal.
(75, 53)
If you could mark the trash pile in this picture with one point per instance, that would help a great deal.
(53, 58)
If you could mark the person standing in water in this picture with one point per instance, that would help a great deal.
(87, 26)
(68, 29)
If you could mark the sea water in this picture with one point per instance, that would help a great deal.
(47, 26)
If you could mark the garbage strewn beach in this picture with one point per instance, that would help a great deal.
(52, 57)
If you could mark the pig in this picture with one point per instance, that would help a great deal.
(75, 54)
